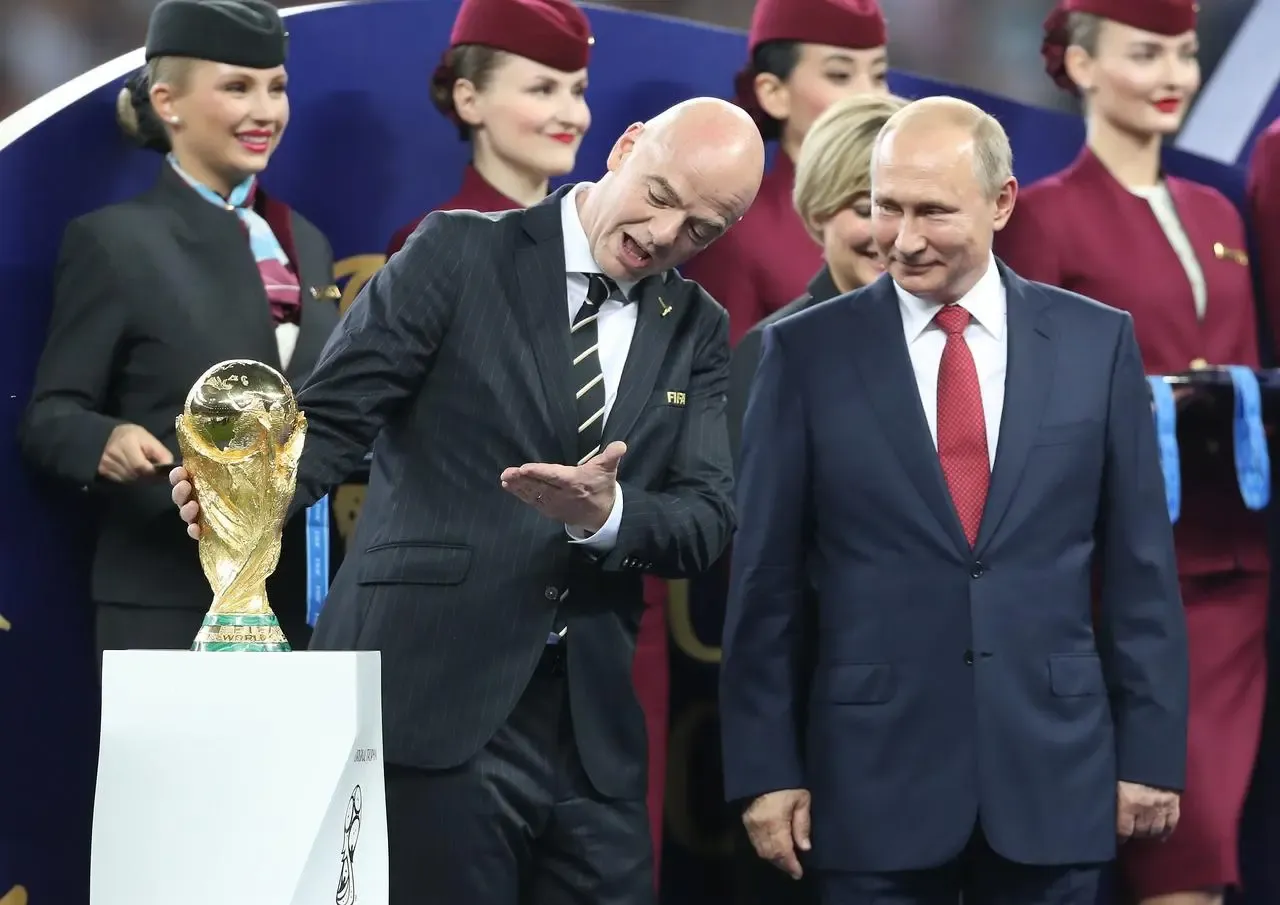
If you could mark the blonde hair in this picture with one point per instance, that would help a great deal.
(134, 114)
(834, 168)
(992, 153)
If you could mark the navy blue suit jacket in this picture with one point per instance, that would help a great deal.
(953, 684)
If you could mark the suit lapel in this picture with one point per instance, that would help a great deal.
(885, 366)
(218, 245)
(1027, 379)
(544, 309)
(656, 322)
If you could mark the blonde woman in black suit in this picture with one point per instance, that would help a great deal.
(201, 268)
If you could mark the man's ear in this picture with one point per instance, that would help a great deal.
(625, 144)
(1005, 200)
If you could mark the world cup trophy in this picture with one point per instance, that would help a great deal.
(241, 436)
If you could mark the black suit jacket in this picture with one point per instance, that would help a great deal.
(746, 354)
(148, 295)
(455, 363)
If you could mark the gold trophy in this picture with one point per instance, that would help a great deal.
(241, 436)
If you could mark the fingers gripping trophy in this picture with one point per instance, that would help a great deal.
(241, 436)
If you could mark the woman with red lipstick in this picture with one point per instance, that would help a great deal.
(805, 55)
(514, 81)
(150, 293)
(1113, 226)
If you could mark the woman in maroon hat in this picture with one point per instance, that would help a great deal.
(805, 55)
(514, 81)
(1264, 205)
(1113, 226)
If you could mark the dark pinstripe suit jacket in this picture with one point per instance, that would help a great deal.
(456, 358)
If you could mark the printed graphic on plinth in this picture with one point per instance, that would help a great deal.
(346, 894)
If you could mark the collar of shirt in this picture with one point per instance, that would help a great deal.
(985, 302)
(577, 248)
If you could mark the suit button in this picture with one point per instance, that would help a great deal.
(968, 658)
(552, 593)
(977, 570)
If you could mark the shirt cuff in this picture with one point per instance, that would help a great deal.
(607, 536)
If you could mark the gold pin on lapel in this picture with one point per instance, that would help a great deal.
(1223, 253)
(666, 309)
(329, 293)
(675, 398)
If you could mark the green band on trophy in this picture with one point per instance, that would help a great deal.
(241, 436)
(241, 632)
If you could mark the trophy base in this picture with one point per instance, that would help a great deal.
(241, 632)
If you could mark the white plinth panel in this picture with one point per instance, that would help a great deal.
(240, 779)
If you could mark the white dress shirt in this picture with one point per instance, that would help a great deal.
(616, 324)
(988, 339)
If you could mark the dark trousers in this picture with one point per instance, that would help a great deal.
(519, 823)
(979, 877)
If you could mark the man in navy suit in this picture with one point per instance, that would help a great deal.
(946, 458)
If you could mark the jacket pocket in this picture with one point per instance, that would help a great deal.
(855, 683)
(415, 563)
(1076, 675)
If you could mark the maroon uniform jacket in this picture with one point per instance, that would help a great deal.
(1264, 204)
(763, 261)
(475, 194)
(1082, 230)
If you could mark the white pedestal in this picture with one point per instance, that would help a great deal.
(240, 779)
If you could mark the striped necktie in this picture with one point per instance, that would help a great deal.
(588, 378)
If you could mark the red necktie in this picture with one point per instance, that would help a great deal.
(962, 426)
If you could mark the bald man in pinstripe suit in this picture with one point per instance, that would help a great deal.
(545, 396)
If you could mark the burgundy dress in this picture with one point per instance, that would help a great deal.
(1264, 203)
(650, 669)
(765, 260)
(1082, 230)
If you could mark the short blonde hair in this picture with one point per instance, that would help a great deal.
(834, 167)
(992, 153)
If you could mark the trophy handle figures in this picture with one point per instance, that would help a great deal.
(241, 436)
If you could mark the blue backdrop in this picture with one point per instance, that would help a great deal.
(364, 154)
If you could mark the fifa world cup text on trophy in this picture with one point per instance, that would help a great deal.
(241, 435)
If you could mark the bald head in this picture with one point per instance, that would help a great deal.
(950, 126)
(718, 139)
(709, 121)
(674, 185)
(941, 186)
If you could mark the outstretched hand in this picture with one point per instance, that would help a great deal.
(580, 496)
